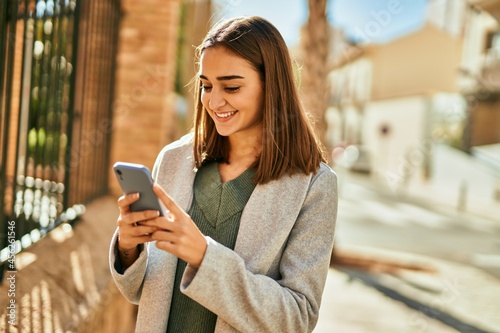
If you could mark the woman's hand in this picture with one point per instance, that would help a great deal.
(131, 229)
(177, 233)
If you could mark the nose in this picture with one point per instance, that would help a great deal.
(216, 100)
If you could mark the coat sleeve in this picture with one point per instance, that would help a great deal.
(128, 281)
(257, 303)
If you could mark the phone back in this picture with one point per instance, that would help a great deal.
(136, 178)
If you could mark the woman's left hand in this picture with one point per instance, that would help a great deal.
(178, 233)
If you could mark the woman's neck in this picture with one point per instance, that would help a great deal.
(243, 152)
(243, 149)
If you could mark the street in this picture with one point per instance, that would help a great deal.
(377, 217)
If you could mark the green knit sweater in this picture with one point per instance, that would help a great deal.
(216, 210)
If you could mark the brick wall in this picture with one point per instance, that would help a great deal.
(144, 120)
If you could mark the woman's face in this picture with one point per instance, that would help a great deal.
(231, 92)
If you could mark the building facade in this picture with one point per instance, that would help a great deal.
(397, 100)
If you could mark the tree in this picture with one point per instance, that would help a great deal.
(314, 49)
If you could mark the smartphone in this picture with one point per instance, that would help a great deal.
(136, 178)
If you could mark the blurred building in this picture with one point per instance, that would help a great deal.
(398, 99)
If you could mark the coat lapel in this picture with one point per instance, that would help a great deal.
(266, 220)
(181, 189)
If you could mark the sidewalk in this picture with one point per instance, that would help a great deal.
(453, 298)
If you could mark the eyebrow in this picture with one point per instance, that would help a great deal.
(223, 78)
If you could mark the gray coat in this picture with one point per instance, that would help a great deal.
(272, 281)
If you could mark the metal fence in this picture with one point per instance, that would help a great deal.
(56, 90)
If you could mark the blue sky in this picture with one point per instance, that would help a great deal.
(375, 21)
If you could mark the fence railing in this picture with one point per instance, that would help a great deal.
(56, 85)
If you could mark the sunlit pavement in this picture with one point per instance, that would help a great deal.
(462, 249)
(349, 306)
(454, 298)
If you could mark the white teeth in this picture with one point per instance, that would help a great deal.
(226, 114)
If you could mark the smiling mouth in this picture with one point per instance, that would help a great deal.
(224, 115)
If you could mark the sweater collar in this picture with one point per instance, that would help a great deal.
(220, 201)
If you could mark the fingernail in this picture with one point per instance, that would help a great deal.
(136, 195)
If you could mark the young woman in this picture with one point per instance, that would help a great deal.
(252, 205)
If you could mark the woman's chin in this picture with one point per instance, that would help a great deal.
(224, 131)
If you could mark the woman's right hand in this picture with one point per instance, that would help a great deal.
(130, 231)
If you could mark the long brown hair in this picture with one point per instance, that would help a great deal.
(289, 142)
